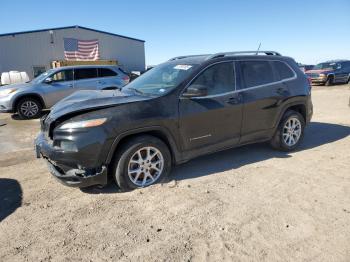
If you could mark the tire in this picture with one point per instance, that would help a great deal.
(29, 108)
(127, 160)
(330, 81)
(280, 139)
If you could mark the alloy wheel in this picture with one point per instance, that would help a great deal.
(291, 131)
(29, 108)
(145, 166)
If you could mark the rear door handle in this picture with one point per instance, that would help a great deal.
(101, 82)
(70, 85)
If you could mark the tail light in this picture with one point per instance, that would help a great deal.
(126, 79)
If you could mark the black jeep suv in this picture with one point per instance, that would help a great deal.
(181, 109)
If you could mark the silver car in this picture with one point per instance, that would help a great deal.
(29, 99)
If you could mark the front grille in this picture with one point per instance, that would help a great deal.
(313, 75)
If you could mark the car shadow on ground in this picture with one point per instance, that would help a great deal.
(10, 197)
(18, 118)
(316, 134)
(334, 84)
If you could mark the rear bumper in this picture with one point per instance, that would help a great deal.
(309, 110)
(61, 169)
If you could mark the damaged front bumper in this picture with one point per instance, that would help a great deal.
(60, 166)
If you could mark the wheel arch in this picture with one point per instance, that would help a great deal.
(298, 106)
(156, 131)
(331, 75)
(29, 95)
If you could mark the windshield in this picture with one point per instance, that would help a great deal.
(42, 76)
(327, 66)
(161, 79)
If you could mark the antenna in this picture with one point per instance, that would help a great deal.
(257, 51)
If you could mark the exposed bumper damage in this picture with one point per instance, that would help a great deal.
(60, 166)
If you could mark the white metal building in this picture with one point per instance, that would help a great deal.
(33, 51)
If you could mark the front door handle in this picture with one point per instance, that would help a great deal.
(70, 85)
(234, 100)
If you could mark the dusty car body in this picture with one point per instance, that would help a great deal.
(194, 105)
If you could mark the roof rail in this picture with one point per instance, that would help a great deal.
(217, 55)
(185, 56)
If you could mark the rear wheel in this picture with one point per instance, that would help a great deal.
(290, 132)
(29, 108)
(141, 162)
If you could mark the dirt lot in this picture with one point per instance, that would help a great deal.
(246, 204)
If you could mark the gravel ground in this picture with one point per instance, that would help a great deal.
(245, 204)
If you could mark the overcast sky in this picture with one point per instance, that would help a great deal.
(310, 31)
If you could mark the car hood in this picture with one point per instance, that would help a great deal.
(318, 71)
(89, 100)
(17, 86)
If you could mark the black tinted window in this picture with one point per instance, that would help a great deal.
(104, 72)
(65, 75)
(283, 71)
(85, 73)
(257, 73)
(346, 65)
(218, 78)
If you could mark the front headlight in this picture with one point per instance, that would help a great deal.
(7, 91)
(321, 75)
(83, 124)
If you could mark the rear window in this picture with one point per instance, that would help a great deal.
(105, 72)
(257, 73)
(85, 73)
(283, 71)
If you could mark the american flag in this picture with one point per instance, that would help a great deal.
(75, 49)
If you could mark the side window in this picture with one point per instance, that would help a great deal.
(283, 71)
(38, 70)
(85, 73)
(64, 75)
(105, 72)
(219, 78)
(257, 73)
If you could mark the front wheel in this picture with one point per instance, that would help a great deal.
(330, 81)
(290, 132)
(142, 161)
(29, 108)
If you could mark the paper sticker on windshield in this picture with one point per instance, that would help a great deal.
(182, 67)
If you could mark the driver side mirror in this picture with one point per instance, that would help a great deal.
(48, 80)
(196, 91)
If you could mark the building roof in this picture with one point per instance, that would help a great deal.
(70, 27)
